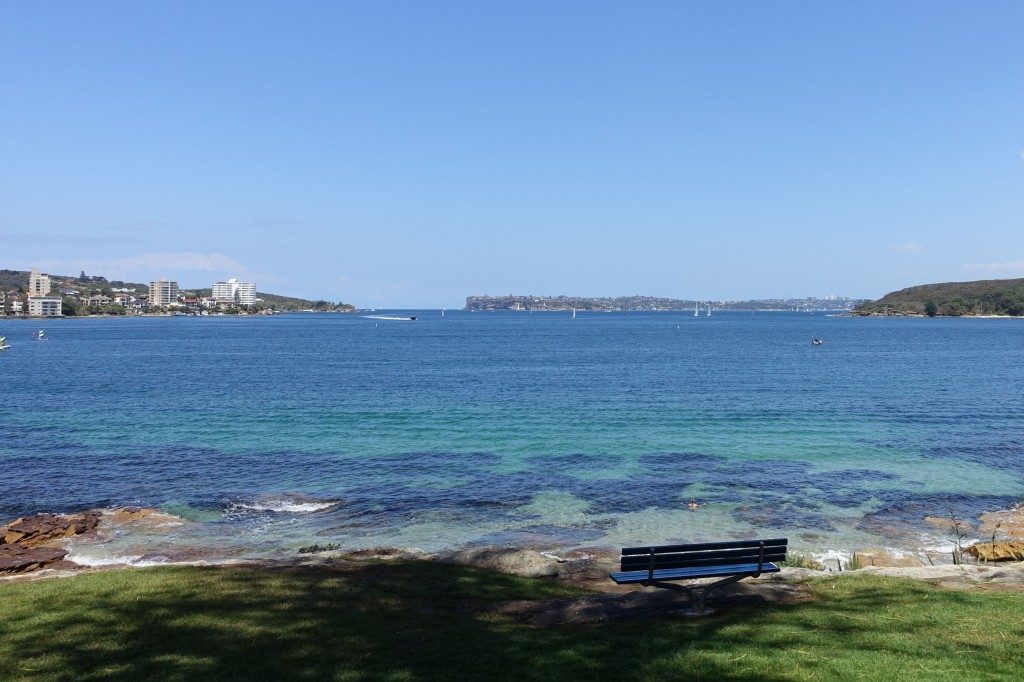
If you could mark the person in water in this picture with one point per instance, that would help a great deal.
(693, 504)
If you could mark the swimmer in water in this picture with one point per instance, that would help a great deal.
(693, 504)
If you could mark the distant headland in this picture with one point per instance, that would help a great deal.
(987, 297)
(653, 303)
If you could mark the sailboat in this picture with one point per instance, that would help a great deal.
(442, 312)
(709, 310)
(696, 311)
(574, 313)
(3, 343)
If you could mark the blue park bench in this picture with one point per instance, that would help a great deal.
(663, 565)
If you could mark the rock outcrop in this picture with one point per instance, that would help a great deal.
(1011, 550)
(527, 563)
(22, 559)
(24, 542)
(880, 558)
(31, 531)
(386, 554)
(1008, 523)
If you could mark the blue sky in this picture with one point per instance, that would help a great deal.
(410, 154)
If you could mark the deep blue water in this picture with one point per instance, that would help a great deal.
(515, 427)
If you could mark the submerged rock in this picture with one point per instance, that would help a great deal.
(129, 514)
(527, 563)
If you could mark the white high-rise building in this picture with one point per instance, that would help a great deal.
(45, 306)
(233, 291)
(38, 285)
(162, 293)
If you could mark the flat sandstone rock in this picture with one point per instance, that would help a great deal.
(31, 531)
(21, 559)
(1010, 524)
(1012, 550)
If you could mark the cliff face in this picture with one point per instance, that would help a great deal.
(982, 297)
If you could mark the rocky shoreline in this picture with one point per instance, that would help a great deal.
(40, 542)
(37, 546)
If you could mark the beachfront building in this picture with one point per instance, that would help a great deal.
(97, 301)
(45, 306)
(38, 284)
(162, 293)
(233, 291)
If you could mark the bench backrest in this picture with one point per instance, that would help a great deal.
(708, 554)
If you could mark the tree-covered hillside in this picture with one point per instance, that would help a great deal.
(982, 297)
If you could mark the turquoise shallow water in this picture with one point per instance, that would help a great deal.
(533, 429)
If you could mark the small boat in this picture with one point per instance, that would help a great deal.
(413, 318)
(816, 341)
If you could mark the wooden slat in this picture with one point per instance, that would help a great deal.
(699, 547)
(682, 560)
(714, 554)
(631, 577)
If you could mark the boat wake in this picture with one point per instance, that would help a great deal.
(393, 318)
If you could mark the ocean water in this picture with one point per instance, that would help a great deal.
(266, 434)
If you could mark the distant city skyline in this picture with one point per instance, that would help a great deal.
(413, 155)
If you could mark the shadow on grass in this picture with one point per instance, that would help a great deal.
(427, 621)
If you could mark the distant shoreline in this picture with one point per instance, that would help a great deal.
(28, 318)
(947, 317)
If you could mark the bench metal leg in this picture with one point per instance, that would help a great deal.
(698, 594)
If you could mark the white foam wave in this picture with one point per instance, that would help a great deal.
(285, 506)
(113, 560)
(387, 317)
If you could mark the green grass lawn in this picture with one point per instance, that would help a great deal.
(415, 621)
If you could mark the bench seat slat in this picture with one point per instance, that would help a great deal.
(629, 577)
(704, 546)
(636, 563)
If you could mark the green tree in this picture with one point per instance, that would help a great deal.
(955, 308)
(931, 309)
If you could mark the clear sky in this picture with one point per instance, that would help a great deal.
(410, 154)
